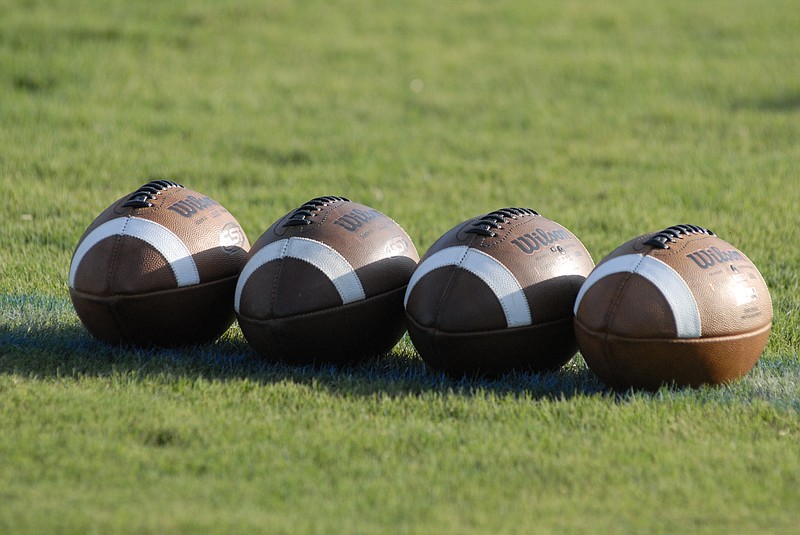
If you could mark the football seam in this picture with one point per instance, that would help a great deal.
(115, 315)
(610, 365)
(327, 213)
(313, 312)
(276, 279)
(125, 331)
(163, 197)
(614, 302)
(114, 255)
(609, 336)
(507, 233)
(436, 330)
(448, 287)
(121, 296)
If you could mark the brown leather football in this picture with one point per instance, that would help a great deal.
(325, 284)
(495, 294)
(680, 306)
(158, 268)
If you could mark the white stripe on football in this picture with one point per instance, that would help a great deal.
(161, 238)
(491, 271)
(316, 253)
(679, 296)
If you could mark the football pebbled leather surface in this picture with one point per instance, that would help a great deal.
(158, 268)
(680, 306)
(495, 294)
(325, 284)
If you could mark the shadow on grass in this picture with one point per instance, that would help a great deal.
(787, 102)
(43, 339)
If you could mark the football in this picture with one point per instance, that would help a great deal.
(325, 283)
(495, 294)
(680, 307)
(158, 268)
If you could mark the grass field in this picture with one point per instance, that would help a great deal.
(613, 118)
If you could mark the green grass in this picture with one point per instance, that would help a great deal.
(613, 118)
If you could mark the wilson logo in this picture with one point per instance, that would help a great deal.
(706, 258)
(356, 219)
(191, 205)
(531, 242)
